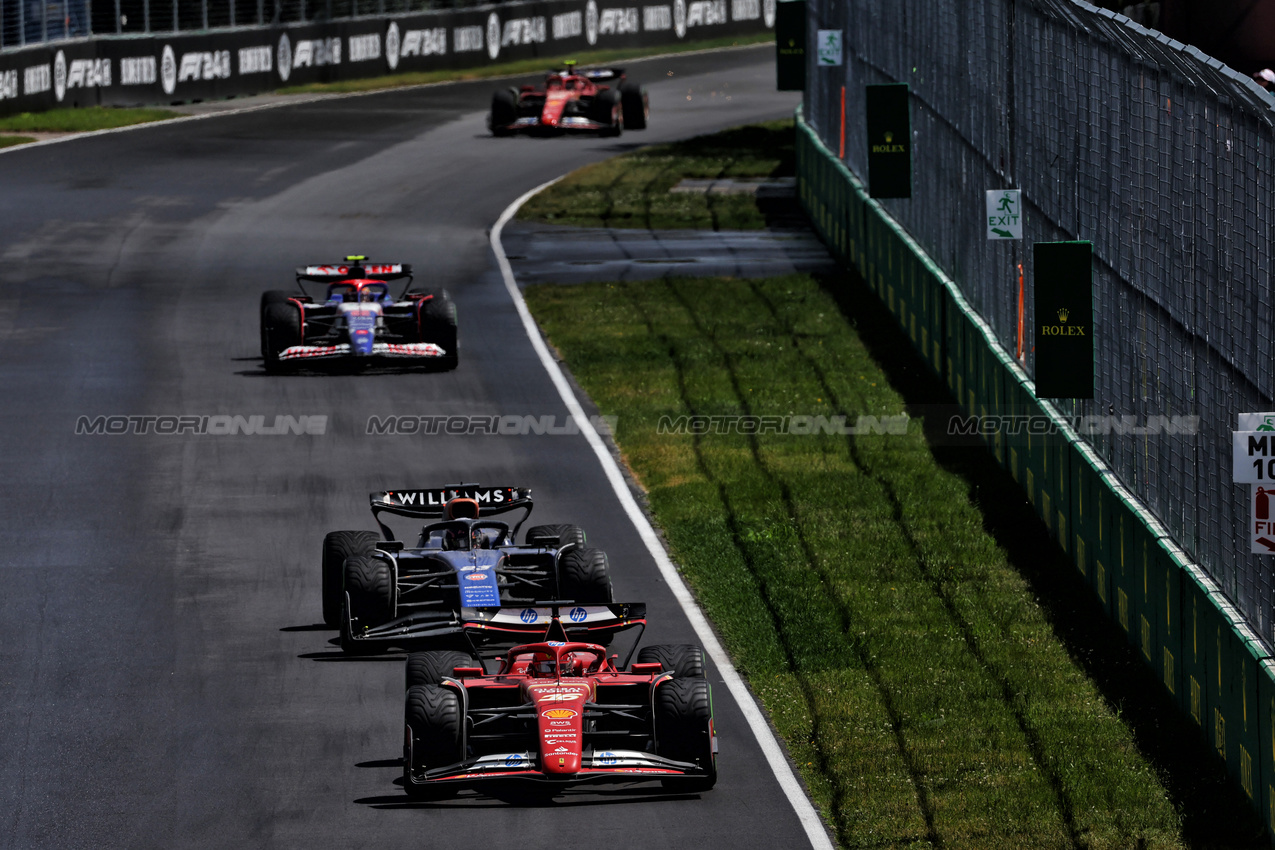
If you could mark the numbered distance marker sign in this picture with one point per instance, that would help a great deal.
(1253, 457)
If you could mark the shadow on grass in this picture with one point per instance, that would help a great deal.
(1214, 813)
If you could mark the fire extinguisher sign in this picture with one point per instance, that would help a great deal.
(1262, 519)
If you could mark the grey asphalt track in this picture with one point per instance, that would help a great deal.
(163, 682)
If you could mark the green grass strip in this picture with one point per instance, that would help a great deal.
(10, 141)
(918, 685)
(521, 66)
(632, 191)
(82, 120)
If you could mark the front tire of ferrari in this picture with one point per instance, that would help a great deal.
(504, 112)
(636, 106)
(431, 738)
(683, 660)
(429, 667)
(369, 597)
(557, 536)
(684, 729)
(607, 110)
(584, 576)
(337, 546)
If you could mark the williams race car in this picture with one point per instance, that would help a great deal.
(383, 594)
(600, 100)
(560, 712)
(358, 319)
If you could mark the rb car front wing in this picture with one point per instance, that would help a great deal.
(406, 350)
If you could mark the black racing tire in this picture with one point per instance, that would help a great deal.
(684, 729)
(683, 660)
(438, 325)
(636, 106)
(271, 296)
(337, 546)
(280, 330)
(584, 576)
(429, 667)
(432, 737)
(607, 110)
(504, 111)
(557, 536)
(369, 596)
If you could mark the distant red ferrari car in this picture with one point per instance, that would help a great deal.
(601, 100)
(559, 712)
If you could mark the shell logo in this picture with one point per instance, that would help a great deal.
(558, 713)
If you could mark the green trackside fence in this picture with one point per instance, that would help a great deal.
(1208, 660)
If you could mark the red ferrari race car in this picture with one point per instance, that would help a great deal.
(601, 100)
(559, 712)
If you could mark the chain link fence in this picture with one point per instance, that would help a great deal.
(24, 22)
(1160, 156)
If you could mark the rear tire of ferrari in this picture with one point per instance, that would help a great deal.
(584, 576)
(337, 546)
(432, 721)
(636, 106)
(683, 660)
(504, 111)
(684, 729)
(438, 325)
(429, 667)
(280, 330)
(557, 536)
(369, 595)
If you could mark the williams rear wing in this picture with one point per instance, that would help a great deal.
(429, 504)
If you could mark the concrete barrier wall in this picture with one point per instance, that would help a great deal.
(160, 68)
(1208, 661)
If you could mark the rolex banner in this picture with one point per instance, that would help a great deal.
(1064, 319)
(889, 141)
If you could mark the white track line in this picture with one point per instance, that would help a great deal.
(761, 729)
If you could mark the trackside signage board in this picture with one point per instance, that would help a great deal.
(1004, 214)
(1064, 319)
(1253, 457)
(163, 68)
(889, 141)
(790, 45)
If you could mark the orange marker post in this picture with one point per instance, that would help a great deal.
(842, 153)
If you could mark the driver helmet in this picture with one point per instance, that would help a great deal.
(544, 668)
(367, 295)
(456, 539)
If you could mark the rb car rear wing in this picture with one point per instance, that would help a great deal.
(504, 628)
(354, 269)
(603, 74)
